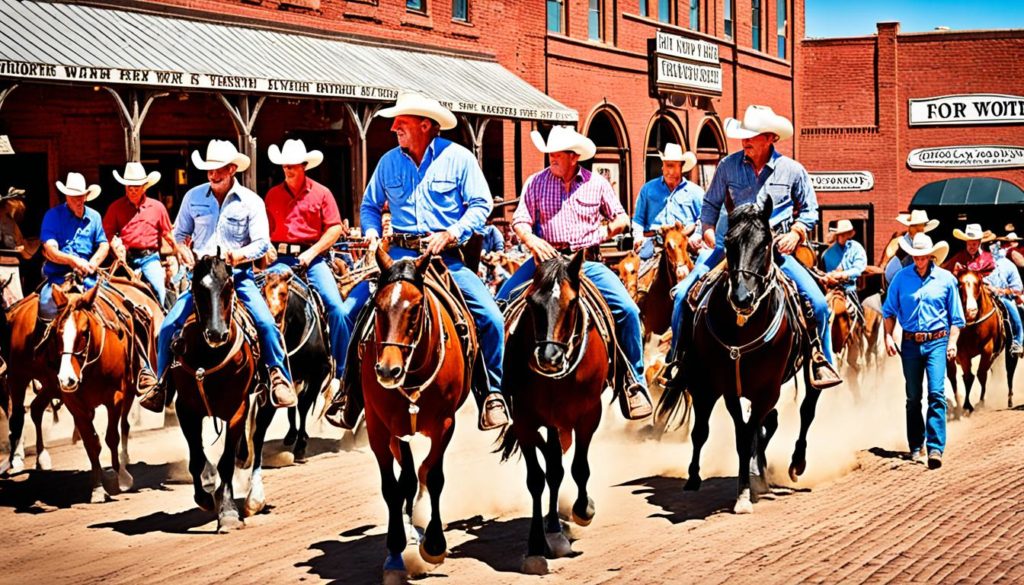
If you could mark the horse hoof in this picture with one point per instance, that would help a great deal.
(743, 504)
(289, 438)
(99, 495)
(111, 483)
(535, 565)
(432, 559)
(13, 466)
(558, 545)
(43, 462)
(229, 523)
(692, 484)
(583, 515)
(204, 500)
(125, 481)
(796, 470)
(253, 506)
(1009, 403)
(299, 455)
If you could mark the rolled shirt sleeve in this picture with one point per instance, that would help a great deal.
(641, 223)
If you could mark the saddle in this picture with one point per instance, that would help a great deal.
(648, 272)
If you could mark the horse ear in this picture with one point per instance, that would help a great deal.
(60, 298)
(575, 267)
(90, 296)
(688, 230)
(769, 207)
(421, 265)
(384, 260)
(679, 225)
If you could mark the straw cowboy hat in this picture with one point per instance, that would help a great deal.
(918, 217)
(135, 174)
(674, 152)
(922, 246)
(294, 153)
(563, 138)
(75, 187)
(758, 120)
(842, 226)
(219, 154)
(973, 232)
(410, 103)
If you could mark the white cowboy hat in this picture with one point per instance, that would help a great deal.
(918, 217)
(973, 232)
(413, 104)
(674, 152)
(135, 174)
(758, 120)
(922, 246)
(219, 154)
(75, 187)
(294, 153)
(842, 226)
(563, 138)
(1010, 237)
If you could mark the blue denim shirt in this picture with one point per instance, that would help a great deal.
(782, 178)
(657, 206)
(240, 224)
(851, 259)
(447, 191)
(73, 235)
(494, 241)
(924, 304)
(1005, 275)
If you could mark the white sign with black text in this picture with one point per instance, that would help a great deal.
(966, 157)
(967, 109)
(689, 75)
(842, 181)
(684, 48)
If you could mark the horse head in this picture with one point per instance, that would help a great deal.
(401, 315)
(676, 253)
(552, 301)
(75, 324)
(629, 272)
(971, 291)
(276, 291)
(213, 294)
(748, 249)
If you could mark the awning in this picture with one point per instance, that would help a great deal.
(968, 191)
(98, 46)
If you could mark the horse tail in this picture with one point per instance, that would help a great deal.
(674, 408)
(508, 444)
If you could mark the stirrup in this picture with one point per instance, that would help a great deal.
(819, 365)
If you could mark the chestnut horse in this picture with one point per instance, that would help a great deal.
(746, 343)
(554, 334)
(652, 289)
(213, 374)
(415, 375)
(982, 335)
(848, 333)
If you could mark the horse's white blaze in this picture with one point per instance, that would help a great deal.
(396, 295)
(556, 292)
(66, 373)
(207, 281)
(972, 303)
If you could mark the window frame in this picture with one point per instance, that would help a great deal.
(600, 20)
(729, 19)
(695, 15)
(667, 4)
(421, 10)
(782, 19)
(755, 25)
(562, 25)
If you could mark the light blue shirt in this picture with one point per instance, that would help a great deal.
(656, 206)
(851, 259)
(924, 304)
(77, 236)
(239, 224)
(494, 241)
(447, 191)
(1005, 275)
(782, 178)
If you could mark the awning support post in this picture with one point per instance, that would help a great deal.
(244, 118)
(132, 118)
(362, 115)
(6, 92)
(477, 126)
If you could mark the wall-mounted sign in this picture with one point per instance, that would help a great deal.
(966, 157)
(5, 145)
(967, 109)
(678, 64)
(842, 181)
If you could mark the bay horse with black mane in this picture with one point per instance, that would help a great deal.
(553, 332)
(747, 341)
(651, 286)
(416, 372)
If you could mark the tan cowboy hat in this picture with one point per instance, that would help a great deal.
(135, 174)
(75, 187)
(918, 217)
(410, 103)
(674, 152)
(973, 232)
(219, 154)
(758, 120)
(842, 226)
(922, 246)
(565, 138)
(294, 153)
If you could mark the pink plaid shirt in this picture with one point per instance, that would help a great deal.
(567, 219)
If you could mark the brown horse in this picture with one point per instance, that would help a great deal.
(554, 332)
(415, 375)
(651, 286)
(982, 335)
(847, 332)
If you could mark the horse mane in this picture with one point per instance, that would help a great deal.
(550, 273)
(745, 221)
(401, 270)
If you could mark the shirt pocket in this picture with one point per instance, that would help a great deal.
(237, 226)
(444, 194)
(779, 192)
(587, 208)
(395, 191)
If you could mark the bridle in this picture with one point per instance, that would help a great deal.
(767, 282)
(83, 355)
(575, 345)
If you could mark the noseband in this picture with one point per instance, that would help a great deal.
(575, 345)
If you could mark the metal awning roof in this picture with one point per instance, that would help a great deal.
(99, 46)
(968, 191)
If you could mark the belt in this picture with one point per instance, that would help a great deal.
(286, 249)
(135, 253)
(925, 336)
(416, 242)
(592, 253)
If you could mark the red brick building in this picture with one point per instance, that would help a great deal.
(866, 104)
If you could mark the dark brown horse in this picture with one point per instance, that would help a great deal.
(983, 335)
(556, 366)
(415, 376)
(745, 345)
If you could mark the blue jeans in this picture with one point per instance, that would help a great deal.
(646, 248)
(151, 269)
(47, 308)
(1015, 323)
(490, 326)
(271, 343)
(919, 359)
(320, 278)
(627, 314)
(706, 260)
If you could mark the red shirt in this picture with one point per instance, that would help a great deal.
(301, 218)
(139, 227)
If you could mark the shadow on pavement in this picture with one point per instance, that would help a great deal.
(887, 454)
(500, 544)
(352, 561)
(716, 495)
(177, 523)
(36, 492)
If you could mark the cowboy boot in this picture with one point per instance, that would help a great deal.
(635, 403)
(282, 393)
(156, 397)
(823, 374)
(338, 411)
(494, 413)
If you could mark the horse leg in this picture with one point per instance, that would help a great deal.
(702, 406)
(83, 422)
(535, 563)
(126, 425)
(394, 566)
(1011, 367)
(306, 399)
(983, 369)
(764, 435)
(968, 383)
(228, 518)
(292, 434)
(192, 427)
(16, 425)
(38, 408)
(951, 376)
(256, 499)
(123, 481)
(434, 547)
(744, 444)
(557, 543)
(807, 409)
(408, 485)
(583, 509)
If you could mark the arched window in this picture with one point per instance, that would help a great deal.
(710, 150)
(608, 132)
(663, 131)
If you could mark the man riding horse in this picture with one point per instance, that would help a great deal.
(222, 216)
(438, 197)
(754, 174)
(667, 199)
(917, 222)
(845, 260)
(560, 212)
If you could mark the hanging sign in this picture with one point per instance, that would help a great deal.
(678, 64)
(842, 181)
(966, 157)
(5, 145)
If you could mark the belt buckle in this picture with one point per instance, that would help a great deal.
(282, 248)
(920, 337)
